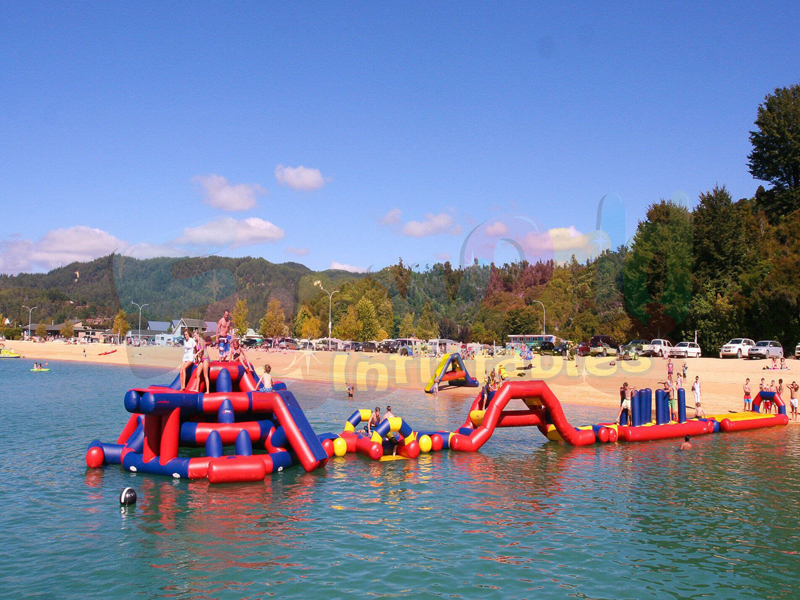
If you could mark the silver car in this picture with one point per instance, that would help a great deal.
(766, 349)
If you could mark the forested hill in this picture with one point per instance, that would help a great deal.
(172, 288)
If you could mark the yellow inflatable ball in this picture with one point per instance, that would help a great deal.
(339, 447)
(425, 443)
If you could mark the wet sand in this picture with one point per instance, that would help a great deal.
(590, 381)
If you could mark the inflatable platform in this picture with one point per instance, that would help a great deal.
(451, 371)
(238, 414)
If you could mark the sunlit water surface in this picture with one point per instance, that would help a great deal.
(523, 518)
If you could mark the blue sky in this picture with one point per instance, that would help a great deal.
(356, 133)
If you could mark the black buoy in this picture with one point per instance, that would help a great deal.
(127, 497)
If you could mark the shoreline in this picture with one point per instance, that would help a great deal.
(593, 381)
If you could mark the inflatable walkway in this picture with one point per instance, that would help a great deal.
(451, 371)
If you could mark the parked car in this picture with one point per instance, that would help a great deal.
(657, 348)
(797, 351)
(766, 349)
(603, 349)
(547, 348)
(582, 349)
(388, 346)
(737, 347)
(602, 345)
(365, 347)
(564, 348)
(686, 350)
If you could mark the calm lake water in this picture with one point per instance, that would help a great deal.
(523, 518)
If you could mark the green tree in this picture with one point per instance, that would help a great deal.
(311, 328)
(776, 151)
(658, 269)
(273, 323)
(120, 326)
(524, 320)
(427, 327)
(239, 318)
(41, 330)
(303, 315)
(406, 328)
(67, 330)
(368, 320)
(348, 327)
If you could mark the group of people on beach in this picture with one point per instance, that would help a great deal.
(775, 367)
(195, 352)
(768, 405)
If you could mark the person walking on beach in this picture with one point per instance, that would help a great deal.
(793, 402)
(669, 370)
(189, 346)
(685, 370)
(224, 335)
(698, 410)
(747, 399)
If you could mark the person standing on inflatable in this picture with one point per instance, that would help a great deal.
(224, 335)
(189, 346)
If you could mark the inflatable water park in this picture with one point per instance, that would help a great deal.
(451, 371)
(237, 431)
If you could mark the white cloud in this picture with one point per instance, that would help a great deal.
(392, 217)
(562, 242)
(219, 193)
(299, 178)
(346, 267)
(57, 247)
(496, 229)
(230, 232)
(297, 251)
(432, 225)
(144, 250)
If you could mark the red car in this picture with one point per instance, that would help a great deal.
(583, 349)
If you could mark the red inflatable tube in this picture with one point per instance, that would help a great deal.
(233, 469)
(663, 432)
(518, 418)
(227, 431)
(521, 390)
(239, 400)
(776, 420)
(453, 375)
(410, 450)
(369, 448)
(130, 427)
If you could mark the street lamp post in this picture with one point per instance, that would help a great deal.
(544, 316)
(318, 283)
(30, 313)
(141, 306)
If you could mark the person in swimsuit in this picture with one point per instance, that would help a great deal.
(793, 402)
(202, 361)
(673, 401)
(266, 379)
(698, 410)
(374, 420)
(189, 346)
(685, 370)
(686, 445)
(626, 394)
(224, 335)
(238, 355)
(669, 370)
(779, 390)
(747, 399)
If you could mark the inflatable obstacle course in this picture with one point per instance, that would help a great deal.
(451, 371)
(234, 412)
(234, 420)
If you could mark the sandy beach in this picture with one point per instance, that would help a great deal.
(590, 381)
